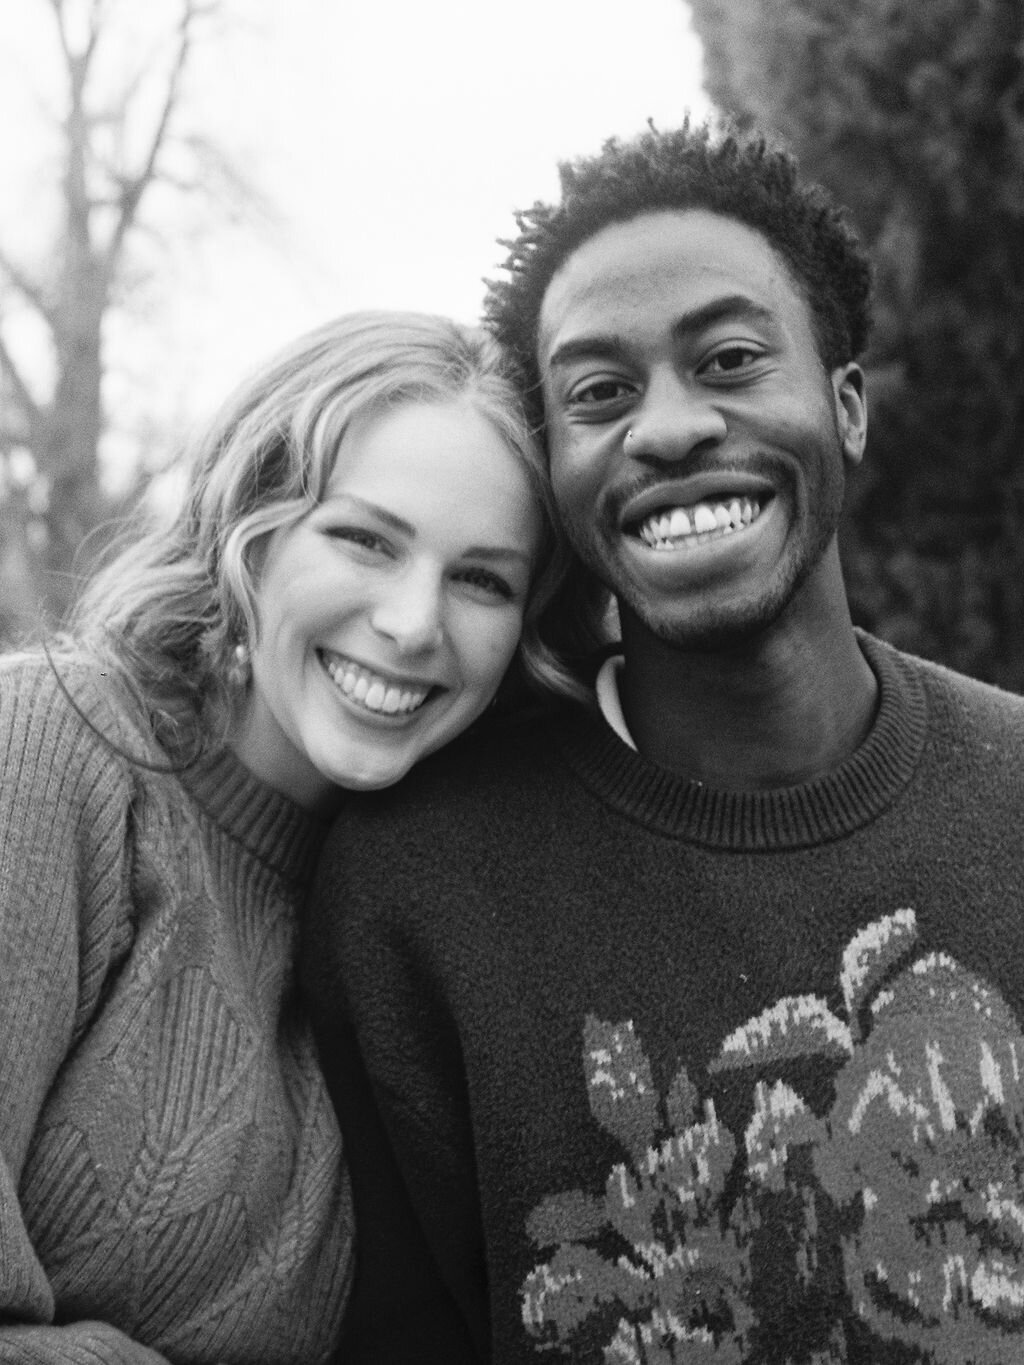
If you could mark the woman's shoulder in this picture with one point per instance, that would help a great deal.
(66, 839)
(56, 719)
(30, 693)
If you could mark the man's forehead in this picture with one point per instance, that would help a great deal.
(630, 272)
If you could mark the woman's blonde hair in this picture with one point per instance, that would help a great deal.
(166, 614)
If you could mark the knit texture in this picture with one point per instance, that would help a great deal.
(171, 1182)
(635, 1070)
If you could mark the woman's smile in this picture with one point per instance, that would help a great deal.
(373, 691)
(389, 614)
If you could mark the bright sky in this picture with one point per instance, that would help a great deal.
(393, 138)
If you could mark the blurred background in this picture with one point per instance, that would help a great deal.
(186, 185)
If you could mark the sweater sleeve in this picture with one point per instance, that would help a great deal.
(393, 1070)
(64, 803)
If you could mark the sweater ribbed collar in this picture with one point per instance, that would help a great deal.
(810, 813)
(281, 834)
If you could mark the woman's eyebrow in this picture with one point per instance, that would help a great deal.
(374, 509)
(495, 552)
(489, 552)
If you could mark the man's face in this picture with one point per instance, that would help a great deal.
(698, 446)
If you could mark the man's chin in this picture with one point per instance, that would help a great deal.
(729, 627)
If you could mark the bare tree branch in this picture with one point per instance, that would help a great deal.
(76, 130)
(26, 287)
(220, 177)
(95, 27)
(58, 12)
(22, 393)
(113, 146)
(136, 187)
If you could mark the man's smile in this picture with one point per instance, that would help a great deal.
(695, 510)
(693, 525)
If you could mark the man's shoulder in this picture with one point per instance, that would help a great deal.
(502, 759)
(973, 692)
(457, 813)
(962, 703)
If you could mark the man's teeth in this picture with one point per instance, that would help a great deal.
(665, 529)
(372, 691)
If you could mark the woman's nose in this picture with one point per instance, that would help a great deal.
(409, 611)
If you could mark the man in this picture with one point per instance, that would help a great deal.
(690, 1025)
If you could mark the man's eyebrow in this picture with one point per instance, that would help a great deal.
(608, 345)
(739, 306)
(587, 348)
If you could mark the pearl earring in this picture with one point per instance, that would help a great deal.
(240, 667)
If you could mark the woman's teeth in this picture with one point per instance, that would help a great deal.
(664, 530)
(372, 691)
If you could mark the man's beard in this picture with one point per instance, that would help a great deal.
(734, 624)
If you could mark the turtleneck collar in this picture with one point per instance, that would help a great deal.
(826, 808)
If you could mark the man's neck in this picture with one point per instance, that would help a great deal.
(785, 707)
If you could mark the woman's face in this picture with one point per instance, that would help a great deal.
(389, 614)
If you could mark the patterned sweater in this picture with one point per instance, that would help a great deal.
(636, 1070)
(171, 1185)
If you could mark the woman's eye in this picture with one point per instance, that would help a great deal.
(487, 584)
(357, 535)
(731, 360)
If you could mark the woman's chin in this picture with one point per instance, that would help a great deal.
(375, 776)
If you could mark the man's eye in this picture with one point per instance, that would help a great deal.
(731, 360)
(595, 391)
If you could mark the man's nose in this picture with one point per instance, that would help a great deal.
(674, 420)
(409, 610)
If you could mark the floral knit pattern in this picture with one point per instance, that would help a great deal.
(885, 1220)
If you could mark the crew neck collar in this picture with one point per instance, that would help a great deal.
(823, 809)
(270, 825)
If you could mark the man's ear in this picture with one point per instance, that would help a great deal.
(851, 410)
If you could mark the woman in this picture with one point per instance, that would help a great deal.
(365, 539)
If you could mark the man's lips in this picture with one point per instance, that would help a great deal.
(671, 527)
(692, 511)
(711, 489)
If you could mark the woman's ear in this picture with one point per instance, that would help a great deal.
(851, 410)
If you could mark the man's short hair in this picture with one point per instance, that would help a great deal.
(738, 176)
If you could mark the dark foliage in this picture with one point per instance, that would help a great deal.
(913, 116)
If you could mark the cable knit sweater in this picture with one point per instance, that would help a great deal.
(171, 1183)
(645, 1071)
